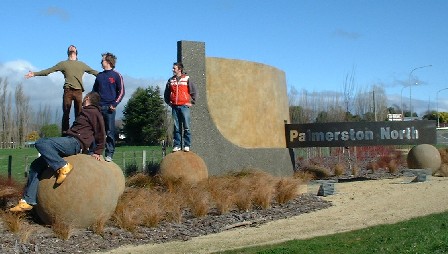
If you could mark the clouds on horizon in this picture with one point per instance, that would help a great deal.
(47, 90)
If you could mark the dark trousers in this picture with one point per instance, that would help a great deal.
(70, 95)
(109, 122)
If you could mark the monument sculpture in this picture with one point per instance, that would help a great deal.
(239, 116)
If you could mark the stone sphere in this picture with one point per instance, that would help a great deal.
(187, 166)
(89, 193)
(424, 156)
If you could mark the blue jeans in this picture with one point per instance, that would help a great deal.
(52, 150)
(109, 122)
(181, 118)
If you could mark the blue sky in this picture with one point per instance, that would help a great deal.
(316, 43)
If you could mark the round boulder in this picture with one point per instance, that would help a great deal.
(424, 156)
(187, 166)
(89, 193)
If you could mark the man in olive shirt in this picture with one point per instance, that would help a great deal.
(73, 71)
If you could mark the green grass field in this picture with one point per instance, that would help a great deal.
(124, 157)
(427, 234)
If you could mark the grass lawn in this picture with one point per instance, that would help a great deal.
(124, 157)
(427, 234)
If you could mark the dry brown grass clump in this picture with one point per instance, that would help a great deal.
(98, 226)
(339, 169)
(63, 230)
(262, 189)
(373, 166)
(139, 180)
(173, 206)
(134, 208)
(14, 222)
(443, 170)
(221, 193)
(286, 189)
(243, 198)
(9, 189)
(138, 206)
(393, 166)
(390, 162)
(318, 172)
(196, 198)
(304, 176)
(355, 170)
(444, 155)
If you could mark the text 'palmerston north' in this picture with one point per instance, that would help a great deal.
(353, 134)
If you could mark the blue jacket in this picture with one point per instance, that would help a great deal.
(109, 84)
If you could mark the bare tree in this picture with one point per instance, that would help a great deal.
(349, 85)
(43, 115)
(3, 111)
(9, 142)
(362, 102)
(380, 103)
(22, 115)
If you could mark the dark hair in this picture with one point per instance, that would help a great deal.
(110, 58)
(68, 50)
(94, 98)
(179, 65)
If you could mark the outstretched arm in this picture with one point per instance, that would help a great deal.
(30, 74)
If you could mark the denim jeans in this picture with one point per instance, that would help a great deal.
(52, 150)
(70, 95)
(181, 118)
(109, 122)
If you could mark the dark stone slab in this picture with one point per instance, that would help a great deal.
(325, 189)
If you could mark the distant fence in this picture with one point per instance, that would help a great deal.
(17, 166)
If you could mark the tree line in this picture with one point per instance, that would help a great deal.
(362, 104)
(145, 118)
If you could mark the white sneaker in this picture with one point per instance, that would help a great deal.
(186, 149)
(108, 159)
(176, 149)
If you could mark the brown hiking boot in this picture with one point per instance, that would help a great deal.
(22, 206)
(63, 172)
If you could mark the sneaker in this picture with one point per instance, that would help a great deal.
(22, 206)
(186, 149)
(108, 159)
(63, 172)
(176, 149)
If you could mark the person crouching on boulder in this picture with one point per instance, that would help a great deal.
(86, 129)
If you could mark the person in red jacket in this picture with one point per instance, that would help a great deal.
(86, 129)
(180, 94)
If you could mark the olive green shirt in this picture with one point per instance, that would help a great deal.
(73, 71)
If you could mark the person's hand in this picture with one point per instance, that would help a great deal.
(111, 108)
(96, 156)
(188, 104)
(30, 74)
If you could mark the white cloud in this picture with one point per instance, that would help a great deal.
(347, 35)
(57, 12)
